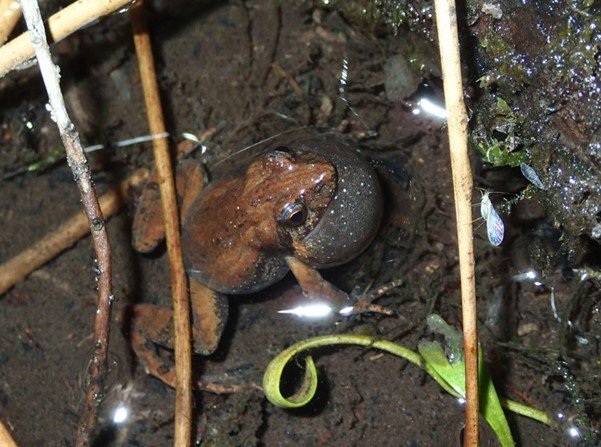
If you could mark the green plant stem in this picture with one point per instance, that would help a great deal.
(273, 373)
(525, 410)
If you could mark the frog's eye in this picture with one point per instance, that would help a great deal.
(294, 214)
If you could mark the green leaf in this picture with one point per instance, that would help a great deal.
(498, 154)
(452, 374)
(503, 108)
(452, 370)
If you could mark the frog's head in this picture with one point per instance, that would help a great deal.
(333, 217)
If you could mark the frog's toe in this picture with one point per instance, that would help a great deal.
(365, 303)
(146, 326)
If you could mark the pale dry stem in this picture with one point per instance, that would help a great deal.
(446, 21)
(60, 25)
(10, 13)
(6, 440)
(79, 167)
(179, 280)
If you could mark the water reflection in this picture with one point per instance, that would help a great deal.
(315, 310)
(430, 108)
(120, 414)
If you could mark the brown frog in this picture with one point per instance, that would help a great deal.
(311, 204)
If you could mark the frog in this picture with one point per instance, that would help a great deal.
(310, 204)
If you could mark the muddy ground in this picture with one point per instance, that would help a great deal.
(255, 69)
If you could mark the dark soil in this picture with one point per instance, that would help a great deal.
(243, 66)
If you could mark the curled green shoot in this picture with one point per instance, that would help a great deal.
(437, 367)
(273, 373)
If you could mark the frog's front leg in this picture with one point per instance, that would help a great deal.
(315, 287)
(151, 325)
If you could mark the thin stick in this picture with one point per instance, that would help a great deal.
(60, 25)
(10, 13)
(51, 245)
(6, 440)
(179, 280)
(78, 164)
(36, 255)
(448, 42)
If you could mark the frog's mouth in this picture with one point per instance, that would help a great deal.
(353, 216)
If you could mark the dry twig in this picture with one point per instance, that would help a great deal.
(10, 13)
(179, 280)
(45, 249)
(448, 41)
(6, 440)
(78, 164)
(60, 25)
(51, 245)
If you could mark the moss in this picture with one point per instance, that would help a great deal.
(508, 66)
(507, 150)
(499, 153)
(386, 15)
(538, 69)
(574, 192)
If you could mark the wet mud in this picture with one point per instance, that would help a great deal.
(254, 69)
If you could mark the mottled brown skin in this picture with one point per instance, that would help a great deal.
(238, 244)
(312, 204)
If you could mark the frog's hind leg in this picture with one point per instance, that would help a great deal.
(152, 325)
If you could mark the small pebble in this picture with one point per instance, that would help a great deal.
(400, 80)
